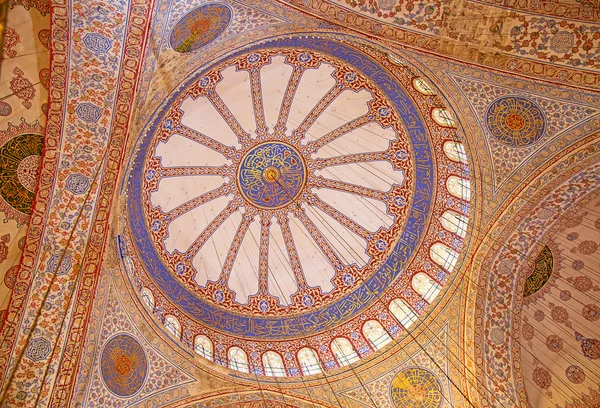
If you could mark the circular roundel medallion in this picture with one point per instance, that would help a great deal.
(515, 121)
(271, 175)
(199, 27)
(21, 158)
(123, 365)
(416, 388)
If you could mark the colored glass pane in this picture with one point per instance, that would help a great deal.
(376, 334)
(273, 364)
(238, 360)
(455, 223)
(455, 151)
(425, 286)
(444, 256)
(459, 187)
(343, 351)
(403, 313)
(309, 361)
(203, 346)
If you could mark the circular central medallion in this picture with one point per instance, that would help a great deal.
(271, 175)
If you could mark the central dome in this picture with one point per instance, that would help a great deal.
(285, 189)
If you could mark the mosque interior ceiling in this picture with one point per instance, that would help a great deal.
(300, 203)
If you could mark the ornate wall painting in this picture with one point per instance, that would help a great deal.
(200, 27)
(124, 365)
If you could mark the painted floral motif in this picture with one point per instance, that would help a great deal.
(542, 377)
(586, 247)
(559, 314)
(11, 39)
(557, 41)
(43, 6)
(554, 343)
(4, 240)
(591, 312)
(582, 283)
(22, 88)
(575, 374)
(44, 37)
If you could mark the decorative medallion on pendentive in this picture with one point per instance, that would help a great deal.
(416, 388)
(200, 27)
(123, 365)
(515, 121)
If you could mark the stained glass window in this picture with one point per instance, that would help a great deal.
(423, 87)
(238, 360)
(147, 298)
(173, 326)
(442, 117)
(203, 346)
(443, 256)
(455, 151)
(403, 312)
(459, 187)
(376, 334)
(309, 362)
(343, 351)
(454, 222)
(425, 286)
(273, 364)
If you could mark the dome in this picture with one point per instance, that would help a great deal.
(296, 204)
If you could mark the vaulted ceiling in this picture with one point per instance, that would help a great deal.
(333, 203)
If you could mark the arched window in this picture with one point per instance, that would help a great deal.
(455, 151)
(204, 347)
(376, 334)
(238, 360)
(459, 187)
(403, 313)
(425, 286)
(422, 86)
(309, 362)
(443, 256)
(273, 364)
(343, 351)
(173, 326)
(395, 60)
(454, 222)
(442, 117)
(147, 298)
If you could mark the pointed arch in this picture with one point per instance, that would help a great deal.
(459, 187)
(375, 334)
(273, 364)
(442, 117)
(425, 286)
(454, 222)
(148, 298)
(173, 326)
(203, 346)
(237, 359)
(309, 362)
(343, 351)
(443, 256)
(422, 86)
(402, 312)
(455, 151)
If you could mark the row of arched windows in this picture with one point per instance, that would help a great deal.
(342, 349)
